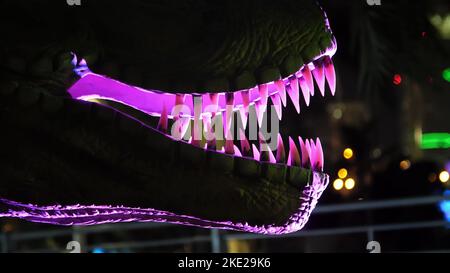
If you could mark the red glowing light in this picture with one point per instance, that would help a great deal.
(397, 79)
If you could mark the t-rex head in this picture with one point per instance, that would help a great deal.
(167, 122)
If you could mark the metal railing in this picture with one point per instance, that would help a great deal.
(216, 237)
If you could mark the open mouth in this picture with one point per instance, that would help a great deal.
(203, 156)
(207, 120)
(300, 167)
(240, 183)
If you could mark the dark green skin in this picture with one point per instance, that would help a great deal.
(62, 151)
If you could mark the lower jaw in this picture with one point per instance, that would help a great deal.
(101, 214)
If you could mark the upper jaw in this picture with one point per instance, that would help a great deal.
(201, 107)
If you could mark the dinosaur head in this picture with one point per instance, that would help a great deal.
(174, 105)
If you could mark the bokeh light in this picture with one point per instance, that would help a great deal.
(348, 153)
(444, 176)
(446, 74)
(342, 173)
(338, 184)
(350, 183)
(397, 79)
(405, 164)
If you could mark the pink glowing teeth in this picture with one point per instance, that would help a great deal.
(256, 154)
(208, 111)
(245, 145)
(292, 90)
(312, 155)
(320, 159)
(163, 120)
(308, 79)
(319, 75)
(260, 110)
(330, 74)
(304, 151)
(277, 104)
(294, 156)
(245, 99)
(305, 89)
(281, 89)
(263, 93)
(281, 154)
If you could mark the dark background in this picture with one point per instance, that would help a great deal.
(391, 91)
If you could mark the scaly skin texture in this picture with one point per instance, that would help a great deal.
(63, 151)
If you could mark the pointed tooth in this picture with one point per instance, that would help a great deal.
(244, 116)
(210, 137)
(245, 99)
(293, 91)
(281, 88)
(308, 79)
(207, 129)
(277, 104)
(163, 120)
(260, 109)
(229, 147)
(272, 158)
(319, 152)
(82, 63)
(237, 152)
(256, 154)
(319, 75)
(330, 74)
(245, 94)
(185, 122)
(229, 97)
(305, 90)
(228, 114)
(312, 155)
(263, 93)
(179, 99)
(266, 153)
(245, 145)
(197, 127)
(304, 151)
(308, 152)
(214, 99)
(294, 156)
(281, 154)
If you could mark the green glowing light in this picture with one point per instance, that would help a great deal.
(435, 141)
(446, 74)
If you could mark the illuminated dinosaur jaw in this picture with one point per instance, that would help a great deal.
(242, 189)
(200, 110)
(145, 173)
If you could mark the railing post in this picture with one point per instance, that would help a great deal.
(4, 242)
(79, 237)
(370, 234)
(215, 241)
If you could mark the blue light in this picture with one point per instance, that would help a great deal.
(98, 250)
(445, 205)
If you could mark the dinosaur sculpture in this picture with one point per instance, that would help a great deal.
(87, 98)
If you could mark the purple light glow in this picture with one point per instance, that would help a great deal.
(102, 214)
(95, 86)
